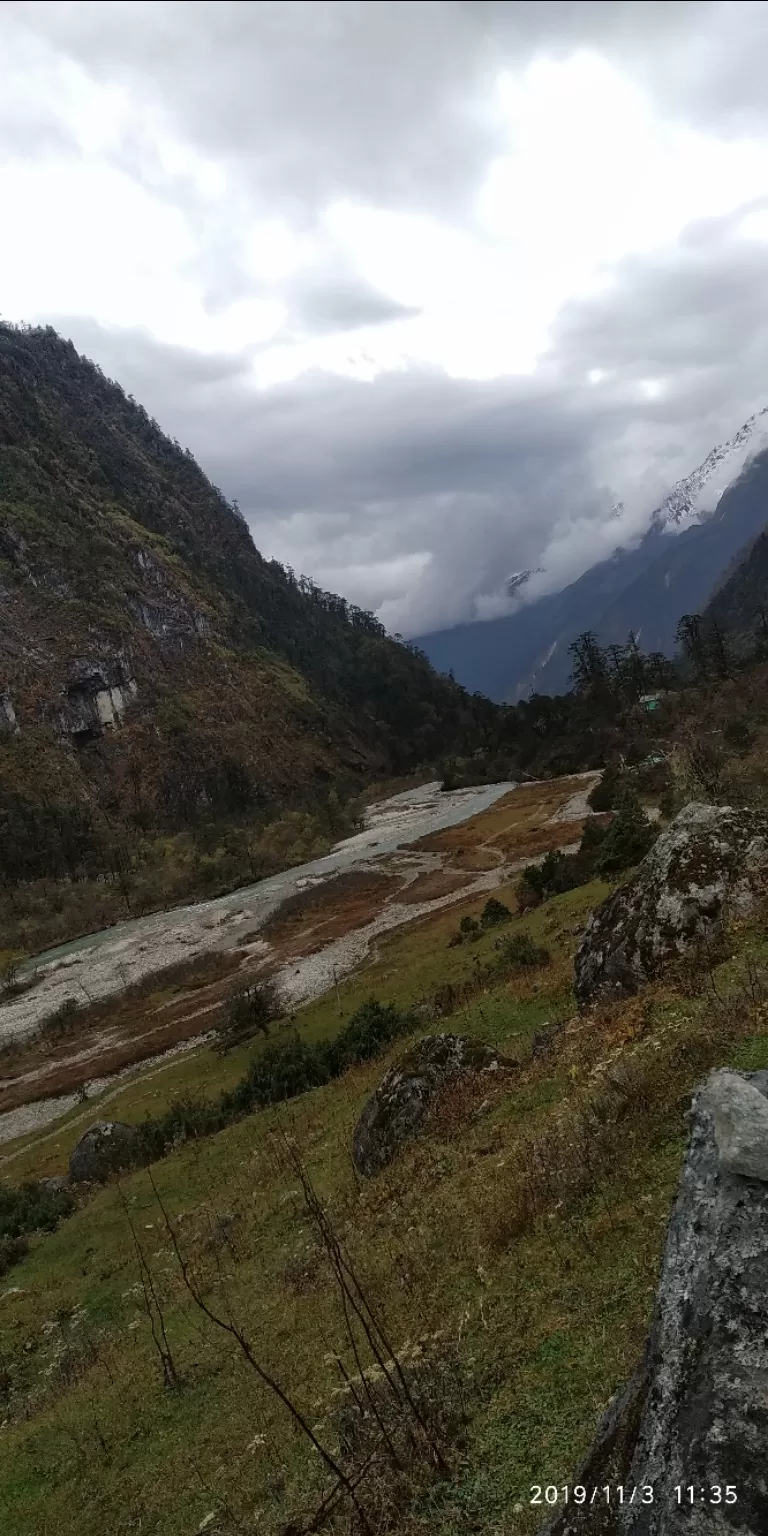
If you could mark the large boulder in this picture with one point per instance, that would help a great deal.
(695, 1414)
(710, 862)
(103, 1150)
(396, 1111)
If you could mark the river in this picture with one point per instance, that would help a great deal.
(100, 964)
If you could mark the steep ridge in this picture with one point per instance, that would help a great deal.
(152, 663)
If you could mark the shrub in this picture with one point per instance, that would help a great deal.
(250, 1010)
(185, 1119)
(604, 795)
(12, 1249)
(494, 912)
(369, 1030)
(468, 927)
(284, 1069)
(61, 1021)
(558, 872)
(519, 953)
(593, 836)
(667, 804)
(627, 840)
(740, 734)
(28, 1208)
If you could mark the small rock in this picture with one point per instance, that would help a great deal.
(54, 1184)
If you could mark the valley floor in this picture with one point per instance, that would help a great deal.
(513, 1248)
(155, 987)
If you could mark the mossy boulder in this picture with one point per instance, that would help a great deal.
(710, 863)
(397, 1109)
(103, 1150)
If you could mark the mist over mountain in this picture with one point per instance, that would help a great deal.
(700, 527)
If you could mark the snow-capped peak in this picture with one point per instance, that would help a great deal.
(518, 579)
(684, 504)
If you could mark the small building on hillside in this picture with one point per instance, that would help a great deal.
(651, 701)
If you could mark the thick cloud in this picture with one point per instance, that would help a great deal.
(344, 358)
(418, 493)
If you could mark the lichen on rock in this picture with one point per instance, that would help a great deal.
(103, 1150)
(710, 863)
(397, 1109)
(695, 1414)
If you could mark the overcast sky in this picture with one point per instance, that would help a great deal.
(427, 287)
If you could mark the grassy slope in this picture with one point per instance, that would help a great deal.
(551, 1309)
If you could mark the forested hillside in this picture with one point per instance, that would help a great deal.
(740, 606)
(155, 670)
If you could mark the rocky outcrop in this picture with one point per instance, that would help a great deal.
(397, 1109)
(695, 1415)
(8, 721)
(103, 1150)
(710, 862)
(96, 699)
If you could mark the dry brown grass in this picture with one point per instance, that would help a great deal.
(308, 920)
(104, 1037)
(431, 887)
(515, 828)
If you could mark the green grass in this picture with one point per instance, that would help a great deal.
(550, 1322)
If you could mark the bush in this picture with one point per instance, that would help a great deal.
(282, 1070)
(604, 795)
(250, 1010)
(667, 804)
(519, 953)
(740, 734)
(627, 840)
(12, 1249)
(558, 872)
(493, 913)
(28, 1208)
(185, 1119)
(369, 1030)
(469, 928)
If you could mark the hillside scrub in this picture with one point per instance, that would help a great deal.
(605, 850)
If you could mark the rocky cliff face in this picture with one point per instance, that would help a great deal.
(692, 1425)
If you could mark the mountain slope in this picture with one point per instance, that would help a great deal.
(671, 571)
(740, 604)
(153, 666)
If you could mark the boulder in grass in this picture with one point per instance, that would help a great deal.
(396, 1110)
(710, 863)
(104, 1149)
(695, 1412)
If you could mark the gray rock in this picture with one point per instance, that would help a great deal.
(740, 1116)
(396, 1111)
(696, 1411)
(55, 1183)
(711, 862)
(104, 1149)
